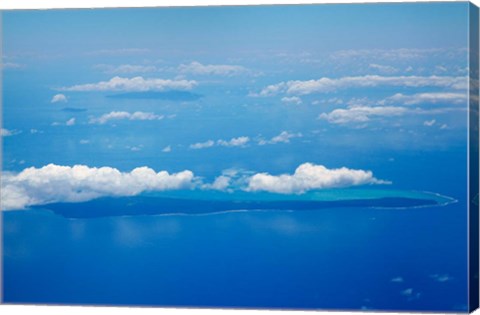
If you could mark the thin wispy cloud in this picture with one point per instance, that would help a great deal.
(383, 68)
(234, 142)
(441, 277)
(400, 54)
(202, 145)
(197, 68)
(429, 123)
(397, 280)
(8, 133)
(11, 65)
(69, 122)
(125, 68)
(292, 100)
(122, 115)
(283, 137)
(136, 84)
(427, 98)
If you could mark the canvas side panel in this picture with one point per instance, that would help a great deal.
(1, 156)
(473, 159)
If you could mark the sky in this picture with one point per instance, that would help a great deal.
(282, 99)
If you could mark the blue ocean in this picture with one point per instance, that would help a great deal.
(351, 258)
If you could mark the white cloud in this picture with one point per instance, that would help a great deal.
(202, 145)
(361, 114)
(391, 54)
(7, 133)
(444, 126)
(133, 84)
(441, 278)
(292, 100)
(125, 115)
(407, 292)
(229, 180)
(326, 85)
(224, 70)
(70, 122)
(84, 141)
(283, 137)
(234, 142)
(125, 68)
(382, 68)
(54, 183)
(411, 294)
(135, 148)
(167, 149)
(59, 98)
(429, 123)
(309, 176)
(11, 65)
(220, 183)
(441, 68)
(430, 98)
(397, 279)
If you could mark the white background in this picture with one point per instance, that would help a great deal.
(67, 310)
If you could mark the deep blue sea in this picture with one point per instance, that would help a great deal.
(339, 258)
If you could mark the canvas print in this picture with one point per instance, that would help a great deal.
(320, 157)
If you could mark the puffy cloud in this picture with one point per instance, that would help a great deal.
(225, 70)
(202, 145)
(138, 84)
(220, 183)
(360, 114)
(283, 137)
(430, 98)
(309, 176)
(429, 123)
(234, 142)
(167, 149)
(326, 85)
(7, 133)
(126, 68)
(55, 183)
(292, 100)
(125, 115)
(59, 98)
(230, 180)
